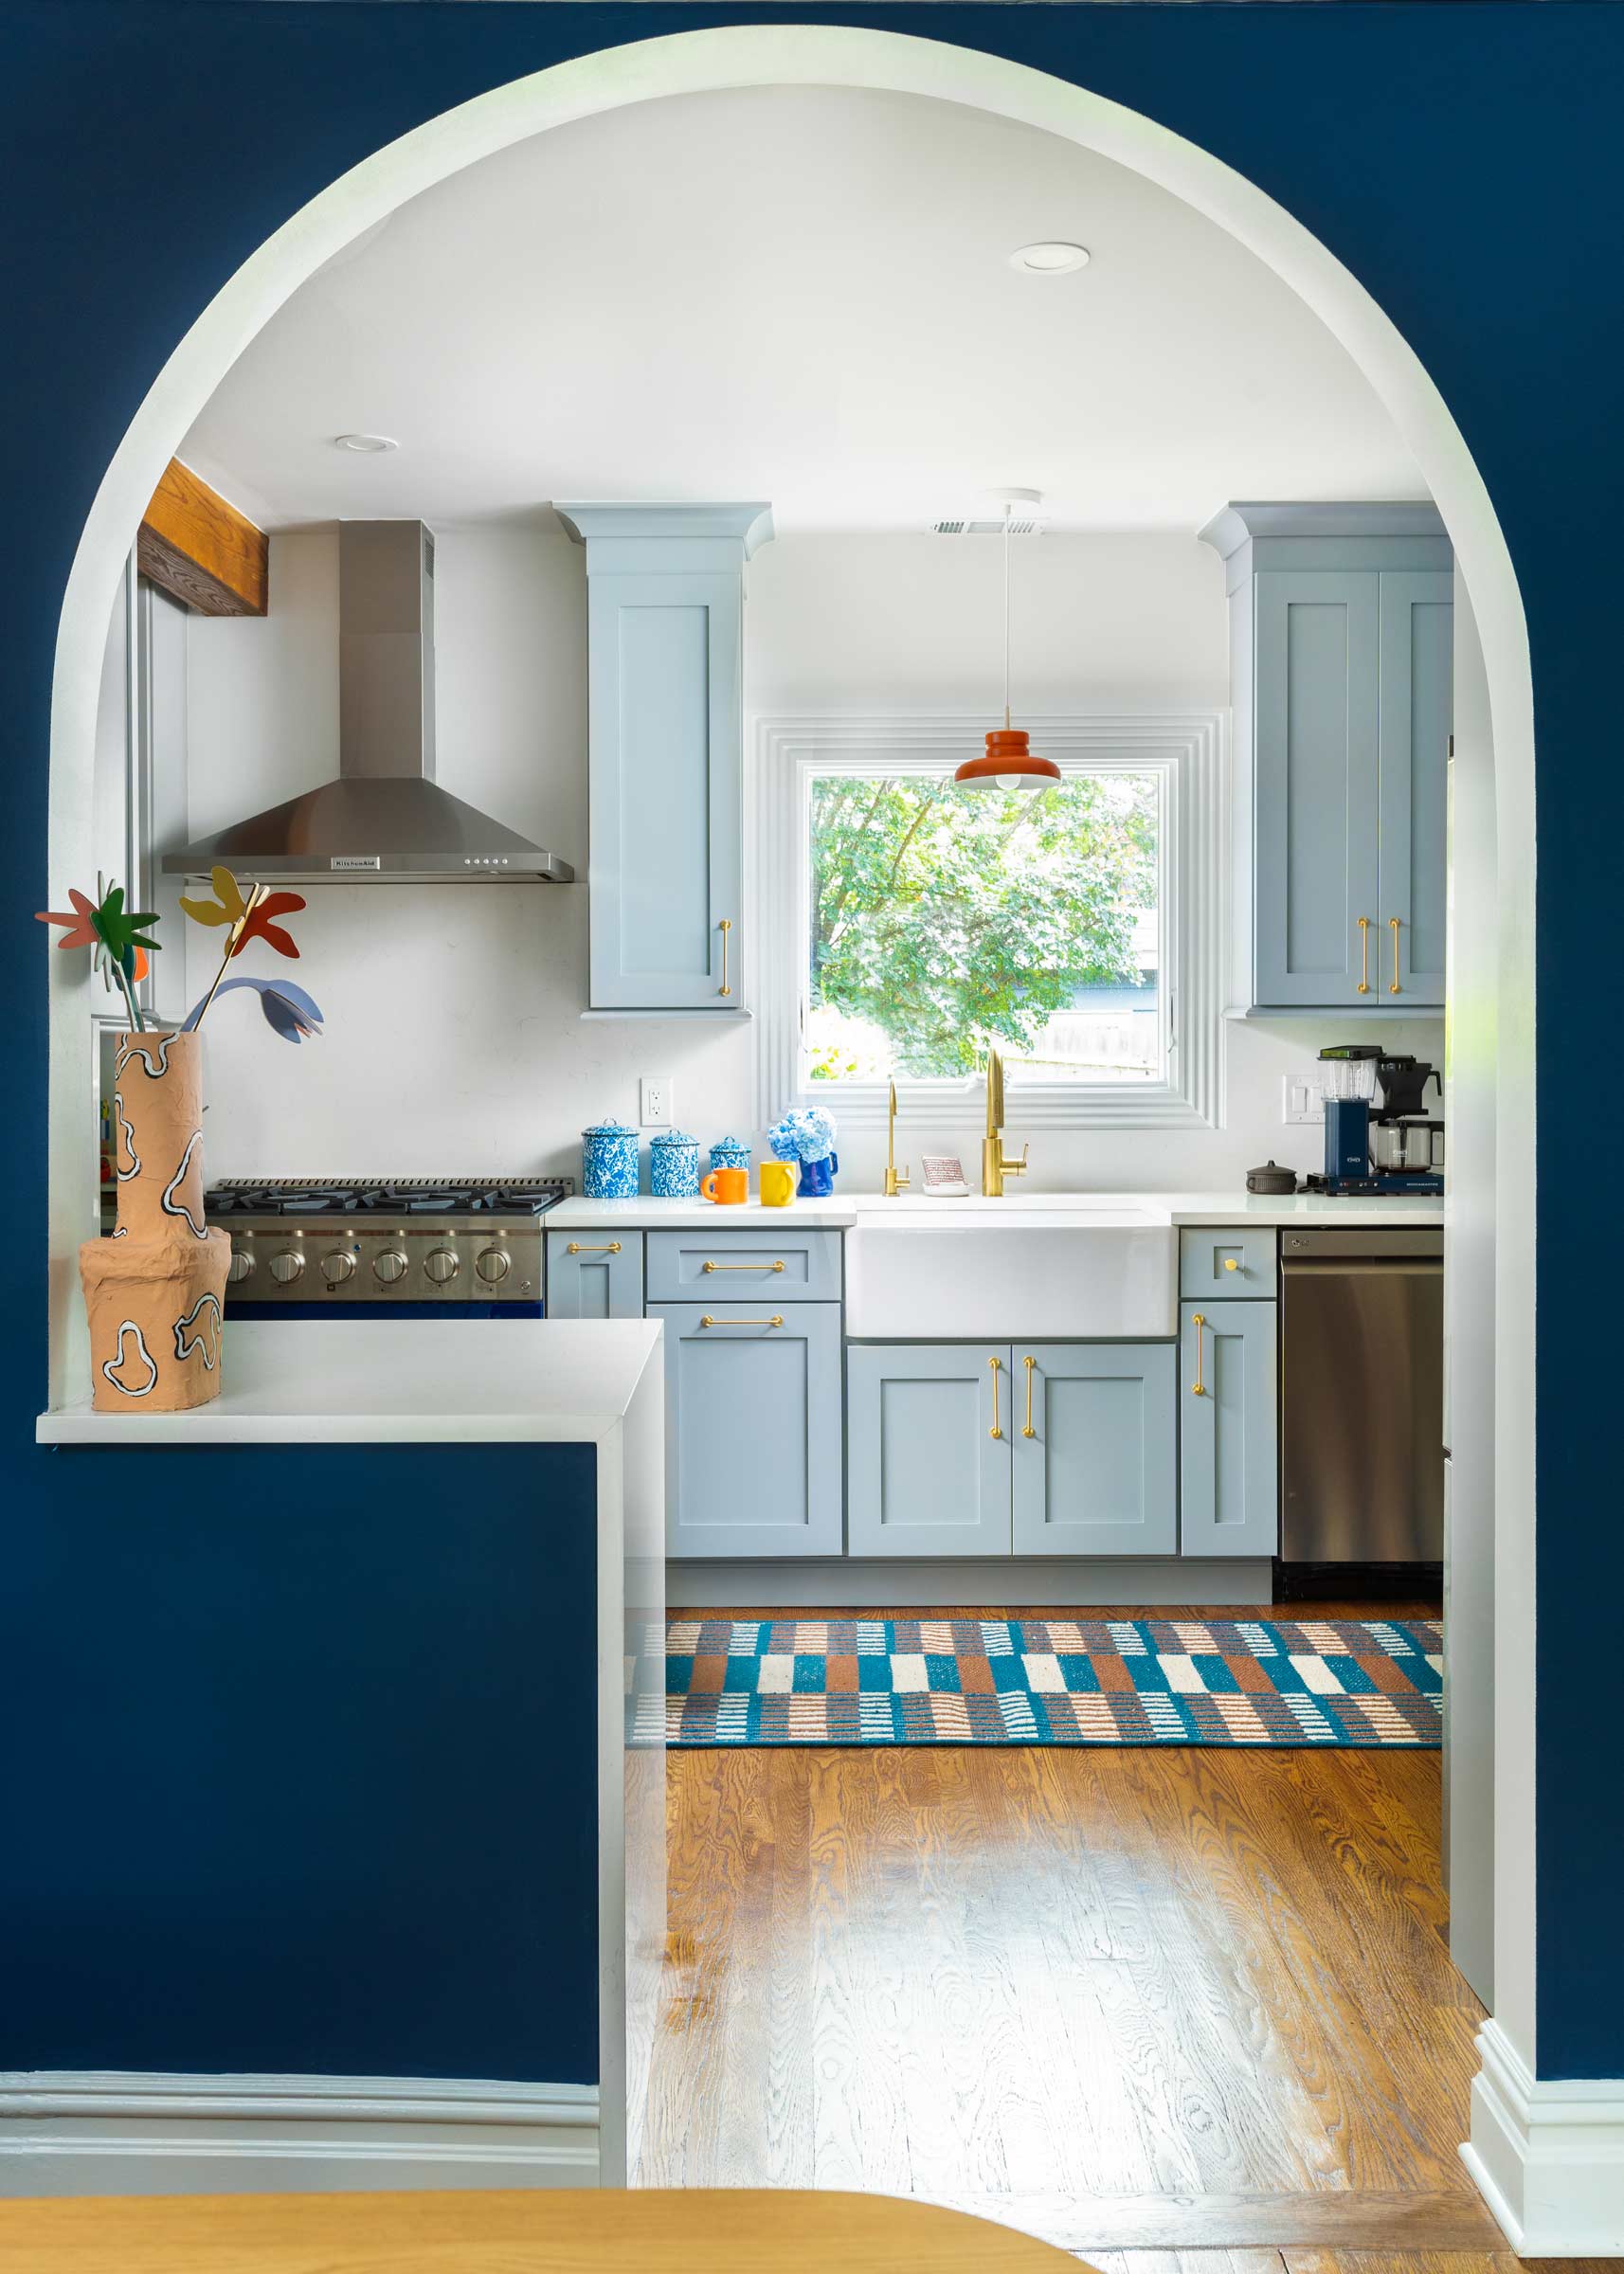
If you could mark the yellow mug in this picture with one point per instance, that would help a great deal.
(777, 1179)
(726, 1186)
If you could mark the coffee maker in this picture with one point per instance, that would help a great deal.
(1395, 1150)
(1404, 1141)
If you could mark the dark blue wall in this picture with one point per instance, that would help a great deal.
(1465, 162)
(305, 1768)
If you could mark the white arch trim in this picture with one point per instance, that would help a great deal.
(836, 55)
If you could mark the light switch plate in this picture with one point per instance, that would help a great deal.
(1301, 1102)
(654, 1101)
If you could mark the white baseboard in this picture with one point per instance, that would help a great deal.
(1547, 2155)
(93, 2132)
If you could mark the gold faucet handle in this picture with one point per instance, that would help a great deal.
(1018, 1168)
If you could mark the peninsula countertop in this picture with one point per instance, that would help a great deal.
(844, 1211)
(359, 1380)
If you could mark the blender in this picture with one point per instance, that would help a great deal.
(1348, 1084)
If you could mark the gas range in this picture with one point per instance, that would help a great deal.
(332, 1244)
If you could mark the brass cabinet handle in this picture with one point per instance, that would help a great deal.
(995, 1430)
(1395, 988)
(1364, 923)
(576, 1249)
(1198, 1321)
(776, 1320)
(743, 1266)
(1230, 1264)
(1028, 1364)
(726, 925)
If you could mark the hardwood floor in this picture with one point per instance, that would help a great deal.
(1183, 2011)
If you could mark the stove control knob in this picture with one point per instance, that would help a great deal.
(390, 1266)
(338, 1267)
(286, 1266)
(493, 1264)
(441, 1264)
(240, 1266)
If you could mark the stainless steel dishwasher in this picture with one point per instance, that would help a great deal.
(1362, 1373)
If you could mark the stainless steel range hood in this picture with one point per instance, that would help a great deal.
(386, 817)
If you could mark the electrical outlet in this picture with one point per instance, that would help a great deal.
(654, 1096)
(1301, 1102)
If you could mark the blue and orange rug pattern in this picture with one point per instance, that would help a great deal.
(1335, 1683)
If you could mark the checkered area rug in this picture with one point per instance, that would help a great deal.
(1338, 1683)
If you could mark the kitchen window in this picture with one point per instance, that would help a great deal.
(906, 923)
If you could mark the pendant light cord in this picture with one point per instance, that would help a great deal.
(1007, 513)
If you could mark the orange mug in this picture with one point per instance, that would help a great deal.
(726, 1186)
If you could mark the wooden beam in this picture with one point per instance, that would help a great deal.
(202, 550)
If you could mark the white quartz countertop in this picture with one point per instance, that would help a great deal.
(843, 1210)
(359, 1380)
(650, 1214)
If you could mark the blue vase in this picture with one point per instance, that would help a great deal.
(729, 1153)
(674, 1166)
(609, 1162)
(817, 1177)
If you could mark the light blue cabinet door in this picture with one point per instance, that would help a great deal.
(1095, 1459)
(1418, 711)
(1316, 795)
(594, 1276)
(665, 788)
(753, 1428)
(927, 1449)
(1229, 1500)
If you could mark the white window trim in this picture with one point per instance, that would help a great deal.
(1190, 747)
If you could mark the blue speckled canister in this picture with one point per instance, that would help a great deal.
(609, 1162)
(729, 1153)
(674, 1166)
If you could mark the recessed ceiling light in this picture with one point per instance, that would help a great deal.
(368, 444)
(1050, 259)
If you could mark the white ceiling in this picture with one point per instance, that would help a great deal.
(801, 294)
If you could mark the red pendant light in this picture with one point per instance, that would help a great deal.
(1008, 763)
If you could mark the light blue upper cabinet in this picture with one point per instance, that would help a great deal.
(1317, 784)
(1417, 702)
(664, 623)
(1340, 633)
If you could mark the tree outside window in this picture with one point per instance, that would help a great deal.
(943, 919)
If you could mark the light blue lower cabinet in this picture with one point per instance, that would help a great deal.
(1229, 1429)
(925, 1473)
(1098, 1475)
(753, 1428)
(594, 1276)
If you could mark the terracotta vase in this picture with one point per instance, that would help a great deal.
(155, 1290)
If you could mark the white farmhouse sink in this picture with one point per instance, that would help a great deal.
(1037, 1267)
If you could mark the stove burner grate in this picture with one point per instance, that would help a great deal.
(399, 1196)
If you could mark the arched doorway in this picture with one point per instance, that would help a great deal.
(841, 56)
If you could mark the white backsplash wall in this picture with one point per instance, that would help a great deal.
(454, 1043)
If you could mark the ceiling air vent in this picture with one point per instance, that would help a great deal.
(959, 526)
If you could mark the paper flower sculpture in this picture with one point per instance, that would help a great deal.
(288, 1009)
(114, 935)
(249, 919)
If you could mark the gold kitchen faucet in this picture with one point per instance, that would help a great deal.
(996, 1163)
